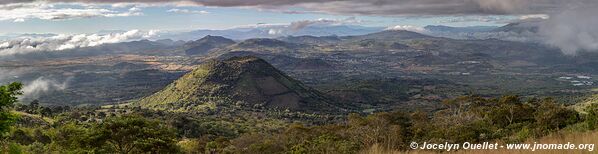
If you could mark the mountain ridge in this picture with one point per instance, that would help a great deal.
(205, 44)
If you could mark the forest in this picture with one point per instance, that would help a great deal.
(61, 129)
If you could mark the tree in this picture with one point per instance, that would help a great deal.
(134, 134)
(386, 129)
(72, 137)
(33, 107)
(8, 96)
(591, 118)
(551, 116)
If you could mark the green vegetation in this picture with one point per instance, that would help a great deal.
(246, 82)
(465, 119)
(8, 96)
(395, 81)
(123, 129)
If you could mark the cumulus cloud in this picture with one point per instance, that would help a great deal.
(188, 11)
(275, 31)
(408, 28)
(24, 11)
(64, 42)
(42, 85)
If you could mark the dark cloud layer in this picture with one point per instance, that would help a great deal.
(377, 7)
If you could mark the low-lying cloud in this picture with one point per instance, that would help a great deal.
(572, 30)
(42, 85)
(64, 42)
(408, 28)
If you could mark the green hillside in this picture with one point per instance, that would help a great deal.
(240, 81)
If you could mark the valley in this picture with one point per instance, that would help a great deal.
(381, 71)
(367, 93)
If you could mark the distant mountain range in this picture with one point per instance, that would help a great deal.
(520, 31)
(274, 31)
(519, 27)
(512, 32)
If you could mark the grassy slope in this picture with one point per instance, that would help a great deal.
(181, 89)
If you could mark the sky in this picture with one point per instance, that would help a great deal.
(73, 18)
(571, 25)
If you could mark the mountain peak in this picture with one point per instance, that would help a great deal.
(249, 81)
(205, 44)
(520, 27)
(214, 38)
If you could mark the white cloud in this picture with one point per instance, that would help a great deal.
(64, 42)
(188, 11)
(123, 5)
(534, 17)
(275, 31)
(22, 12)
(262, 25)
(42, 85)
(573, 30)
(134, 9)
(19, 20)
(408, 28)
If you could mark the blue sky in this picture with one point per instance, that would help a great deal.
(159, 18)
